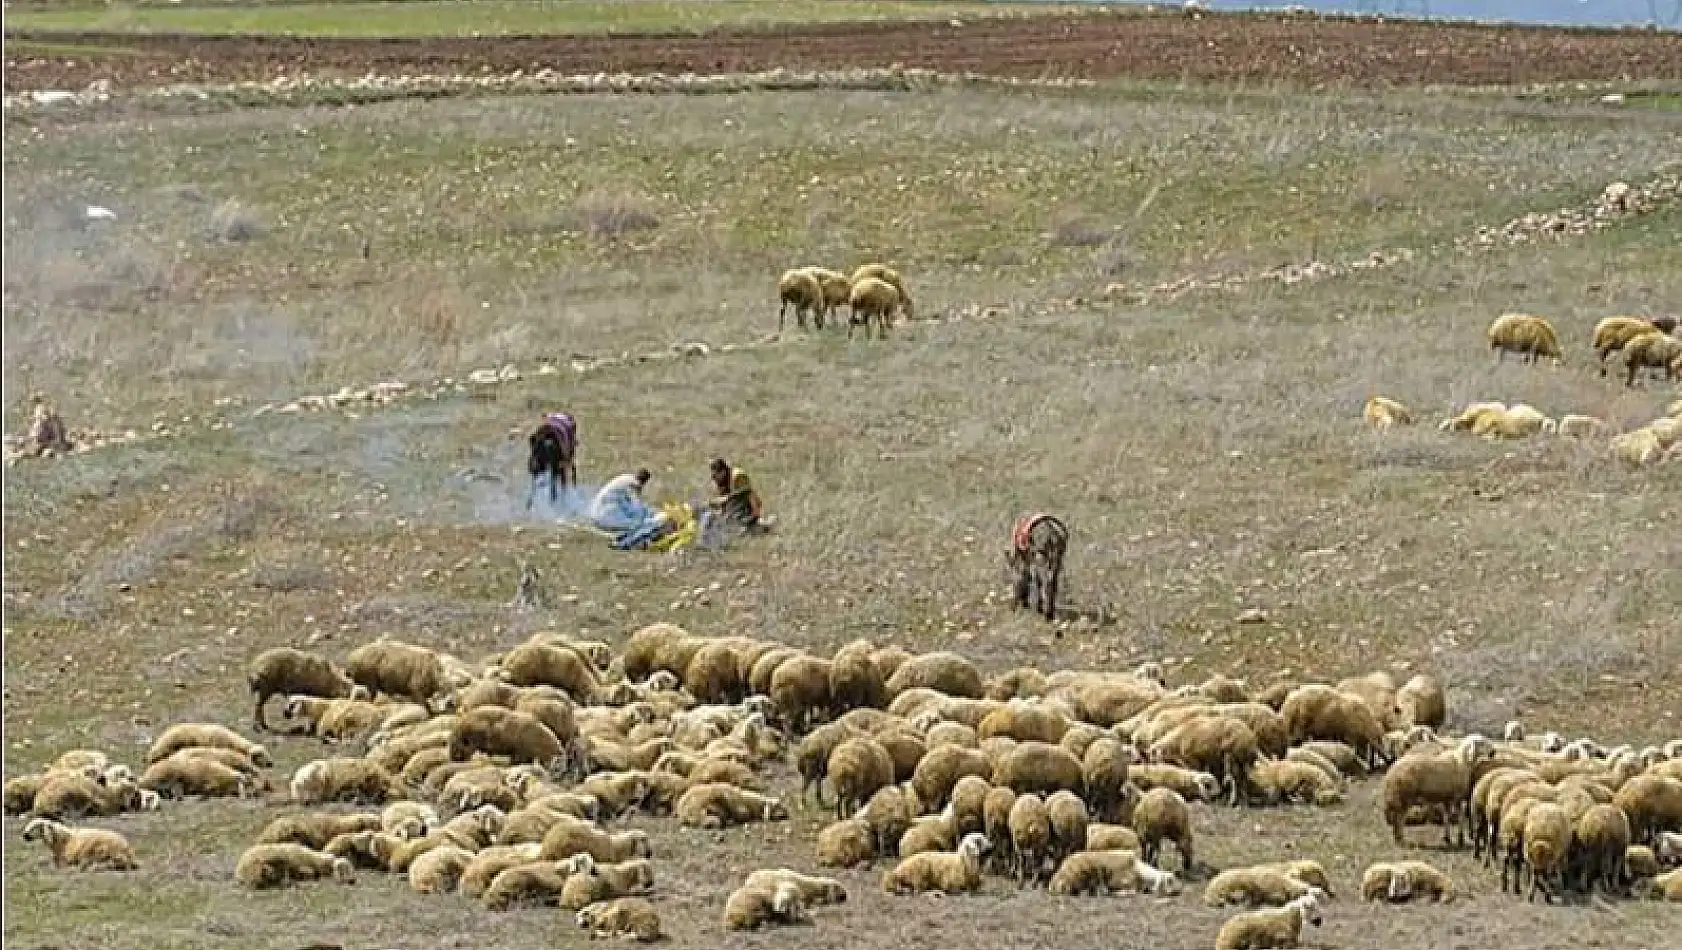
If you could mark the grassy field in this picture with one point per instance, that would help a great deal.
(1207, 452)
(490, 17)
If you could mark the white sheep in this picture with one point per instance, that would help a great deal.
(90, 849)
(1269, 928)
(1381, 413)
(948, 872)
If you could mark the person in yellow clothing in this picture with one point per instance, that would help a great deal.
(735, 502)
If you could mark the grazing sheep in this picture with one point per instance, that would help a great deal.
(1321, 712)
(847, 843)
(344, 779)
(1653, 804)
(1269, 928)
(1426, 778)
(889, 814)
(179, 776)
(800, 289)
(188, 734)
(949, 872)
(1039, 767)
(1530, 337)
(1420, 702)
(314, 830)
(837, 289)
(873, 298)
(968, 805)
(1399, 881)
(631, 917)
(1653, 350)
(1573, 425)
(285, 671)
(494, 730)
(1162, 815)
(1222, 746)
(398, 669)
(572, 836)
(854, 680)
(1030, 837)
(1382, 413)
(1287, 780)
(439, 870)
(749, 908)
(857, 769)
(1613, 333)
(882, 272)
(811, 756)
(1069, 819)
(1110, 872)
(1601, 840)
(1264, 885)
(941, 671)
(91, 849)
(717, 805)
(1104, 774)
(1547, 844)
(800, 691)
(941, 769)
(276, 865)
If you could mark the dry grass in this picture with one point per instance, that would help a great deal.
(1207, 452)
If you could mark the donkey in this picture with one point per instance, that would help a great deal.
(1037, 545)
(553, 446)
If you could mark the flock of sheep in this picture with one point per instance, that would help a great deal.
(1646, 344)
(874, 291)
(503, 783)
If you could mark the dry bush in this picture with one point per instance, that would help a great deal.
(1079, 230)
(235, 223)
(610, 215)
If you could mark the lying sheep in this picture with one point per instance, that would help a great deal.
(1288, 780)
(1468, 417)
(408, 819)
(276, 865)
(1162, 815)
(494, 730)
(749, 908)
(439, 870)
(717, 805)
(1667, 886)
(90, 849)
(814, 891)
(187, 734)
(800, 289)
(1637, 447)
(945, 871)
(1652, 350)
(1517, 422)
(630, 917)
(1382, 413)
(1529, 336)
(1101, 873)
(74, 795)
(365, 850)
(285, 671)
(1399, 881)
(344, 779)
(1274, 927)
(1265, 885)
(1103, 837)
(530, 883)
(1193, 786)
(315, 829)
(595, 881)
(180, 776)
(847, 843)
(572, 836)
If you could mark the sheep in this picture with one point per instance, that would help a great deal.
(837, 289)
(631, 917)
(1195, 786)
(749, 908)
(1667, 847)
(1024, 722)
(1469, 417)
(857, 769)
(1281, 780)
(847, 843)
(408, 819)
(889, 814)
(854, 680)
(949, 872)
(264, 866)
(179, 776)
(814, 891)
(945, 733)
(1310, 757)
(811, 756)
(1039, 767)
(616, 792)
(1268, 885)
(238, 761)
(1030, 837)
(344, 779)
(286, 671)
(1112, 871)
(800, 289)
(1653, 804)
(1382, 413)
(1222, 746)
(1637, 447)
(1667, 886)
(534, 882)
(1613, 333)
(571, 836)
(1269, 928)
(1529, 336)
(1574, 425)
(1104, 775)
(91, 849)
(439, 870)
(365, 850)
(717, 805)
(800, 691)
(1420, 702)
(1162, 815)
(314, 830)
(599, 882)
(905, 748)
(187, 734)
(494, 730)
(471, 831)
(871, 297)
(1547, 844)
(1653, 350)
(1517, 422)
(1320, 712)
(882, 272)
(968, 805)
(397, 669)
(995, 824)
(334, 720)
(1433, 778)
(941, 671)
(1406, 880)
(537, 663)
(1019, 683)
(941, 769)
(1601, 840)
(1069, 819)
(727, 771)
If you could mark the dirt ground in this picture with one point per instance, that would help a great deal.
(1298, 51)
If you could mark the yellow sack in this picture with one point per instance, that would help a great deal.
(684, 528)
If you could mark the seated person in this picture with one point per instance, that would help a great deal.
(619, 505)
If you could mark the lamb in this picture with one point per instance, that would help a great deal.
(1601, 840)
(1030, 837)
(91, 849)
(1382, 413)
(1428, 778)
(315, 829)
(1280, 780)
(847, 843)
(1106, 872)
(1405, 880)
(1529, 336)
(344, 779)
(941, 671)
(800, 289)
(276, 865)
(286, 671)
(800, 691)
(1653, 350)
(572, 836)
(630, 917)
(1420, 702)
(179, 776)
(1547, 844)
(398, 669)
(716, 805)
(439, 870)
(494, 730)
(1162, 815)
(1263, 885)
(1653, 804)
(187, 734)
(749, 908)
(857, 769)
(1269, 928)
(945, 871)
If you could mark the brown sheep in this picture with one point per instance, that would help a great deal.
(1320, 712)
(90, 849)
(1600, 844)
(848, 843)
(1221, 746)
(1613, 333)
(1069, 819)
(1162, 815)
(315, 829)
(572, 836)
(599, 882)
(749, 908)
(945, 871)
(1654, 350)
(857, 768)
(854, 680)
(397, 669)
(494, 730)
(873, 298)
(944, 672)
(889, 814)
(629, 917)
(344, 779)
(1030, 837)
(188, 734)
(1039, 767)
(718, 805)
(180, 776)
(74, 795)
(1653, 804)
(800, 289)
(285, 671)
(941, 769)
(800, 691)
(535, 663)
(275, 865)
(1531, 337)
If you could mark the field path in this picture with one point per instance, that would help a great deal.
(1234, 48)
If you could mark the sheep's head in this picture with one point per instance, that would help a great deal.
(40, 828)
(343, 871)
(761, 704)
(1208, 786)
(1513, 731)
(1475, 748)
(1551, 742)
(974, 845)
(1309, 907)
(785, 901)
(261, 758)
(581, 863)
(1401, 886)
(490, 819)
(661, 681)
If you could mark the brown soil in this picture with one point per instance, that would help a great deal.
(1299, 51)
